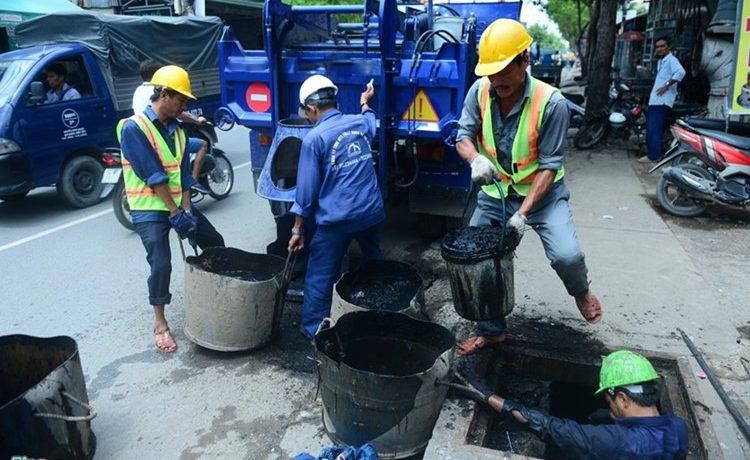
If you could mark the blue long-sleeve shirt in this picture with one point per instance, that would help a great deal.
(662, 437)
(145, 161)
(336, 179)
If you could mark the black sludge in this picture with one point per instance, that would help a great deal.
(471, 244)
(381, 285)
(237, 264)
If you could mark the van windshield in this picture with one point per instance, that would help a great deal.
(11, 77)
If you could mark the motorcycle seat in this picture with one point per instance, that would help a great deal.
(734, 140)
(735, 127)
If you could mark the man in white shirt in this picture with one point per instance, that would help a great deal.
(55, 75)
(669, 72)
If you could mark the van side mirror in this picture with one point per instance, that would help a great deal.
(36, 93)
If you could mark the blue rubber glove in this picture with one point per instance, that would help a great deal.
(183, 223)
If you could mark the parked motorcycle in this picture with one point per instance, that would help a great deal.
(594, 131)
(215, 179)
(708, 165)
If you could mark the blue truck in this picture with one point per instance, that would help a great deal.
(65, 143)
(421, 59)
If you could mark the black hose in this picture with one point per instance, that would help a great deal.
(741, 423)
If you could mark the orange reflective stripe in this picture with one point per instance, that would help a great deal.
(485, 92)
(148, 191)
(141, 122)
(536, 103)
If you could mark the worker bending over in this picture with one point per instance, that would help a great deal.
(512, 129)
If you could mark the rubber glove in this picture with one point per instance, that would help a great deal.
(482, 170)
(183, 223)
(517, 223)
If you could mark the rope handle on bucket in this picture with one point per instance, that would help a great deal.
(71, 418)
(286, 272)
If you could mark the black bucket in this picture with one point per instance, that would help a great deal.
(44, 411)
(386, 285)
(377, 380)
(480, 271)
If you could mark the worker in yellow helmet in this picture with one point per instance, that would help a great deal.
(156, 171)
(512, 132)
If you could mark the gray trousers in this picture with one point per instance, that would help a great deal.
(552, 220)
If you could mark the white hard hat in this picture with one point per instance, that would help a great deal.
(616, 119)
(312, 85)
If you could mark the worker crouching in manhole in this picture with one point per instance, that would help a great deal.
(337, 185)
(631, 388)
(512, 132)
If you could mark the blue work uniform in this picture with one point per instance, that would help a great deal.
(337, 185)
(153, 226)
(663, 437)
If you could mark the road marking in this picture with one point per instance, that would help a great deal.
(54, 230)
(71, 224)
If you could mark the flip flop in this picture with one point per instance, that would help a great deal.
(477, 343)
(165, 342)
(590, 308)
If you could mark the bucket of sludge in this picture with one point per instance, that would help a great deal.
(386, 285)
(44, 411)
(233, 299)
(480, 271)
(378, 373)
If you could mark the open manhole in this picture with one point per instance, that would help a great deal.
(556, 369)
(563, 385)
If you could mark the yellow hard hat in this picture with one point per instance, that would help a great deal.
(501, 41)
(174, 78)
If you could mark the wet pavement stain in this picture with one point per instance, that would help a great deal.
(107, 375)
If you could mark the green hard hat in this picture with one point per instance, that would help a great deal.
(624, 367)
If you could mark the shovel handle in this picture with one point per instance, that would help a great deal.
(71, 418)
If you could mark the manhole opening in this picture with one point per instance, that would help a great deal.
(562, 384)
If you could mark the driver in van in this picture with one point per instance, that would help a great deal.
(55, 74)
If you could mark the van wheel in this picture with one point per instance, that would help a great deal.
(81, 182)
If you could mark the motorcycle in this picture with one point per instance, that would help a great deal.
(708, 165)
(216, 177)
(595, 130)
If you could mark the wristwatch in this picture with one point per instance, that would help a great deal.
(298, 232)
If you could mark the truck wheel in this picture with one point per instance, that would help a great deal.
(81, 182)
(120, 206)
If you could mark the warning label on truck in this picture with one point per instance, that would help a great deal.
(420, 109)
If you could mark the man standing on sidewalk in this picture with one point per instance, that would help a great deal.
(157, 178)
(669, 72)
(337, 185)
(512, 129)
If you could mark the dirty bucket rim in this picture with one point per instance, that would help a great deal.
(445, 353)
(190, 262)
(31, 338)
(350, 274)
(295, 123)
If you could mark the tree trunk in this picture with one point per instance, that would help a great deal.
(599, 51)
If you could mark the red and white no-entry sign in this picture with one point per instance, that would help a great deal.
(258, 97)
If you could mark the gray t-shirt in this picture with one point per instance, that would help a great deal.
(552, 134)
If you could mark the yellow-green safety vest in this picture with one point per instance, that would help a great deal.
(141, 197)
(525, 145)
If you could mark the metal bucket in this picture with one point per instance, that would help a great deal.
(278, 179)
(233, 299)
(44, 411)
(480, 271)
(379, 285)
(377, 380)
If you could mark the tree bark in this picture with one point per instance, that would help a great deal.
(600, 48)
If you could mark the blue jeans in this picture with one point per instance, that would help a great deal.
(155, 239)
(327, 250)
(552, 220)
(655, 118)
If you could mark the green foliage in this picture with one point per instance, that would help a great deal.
(565, 14)
(545, 38)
